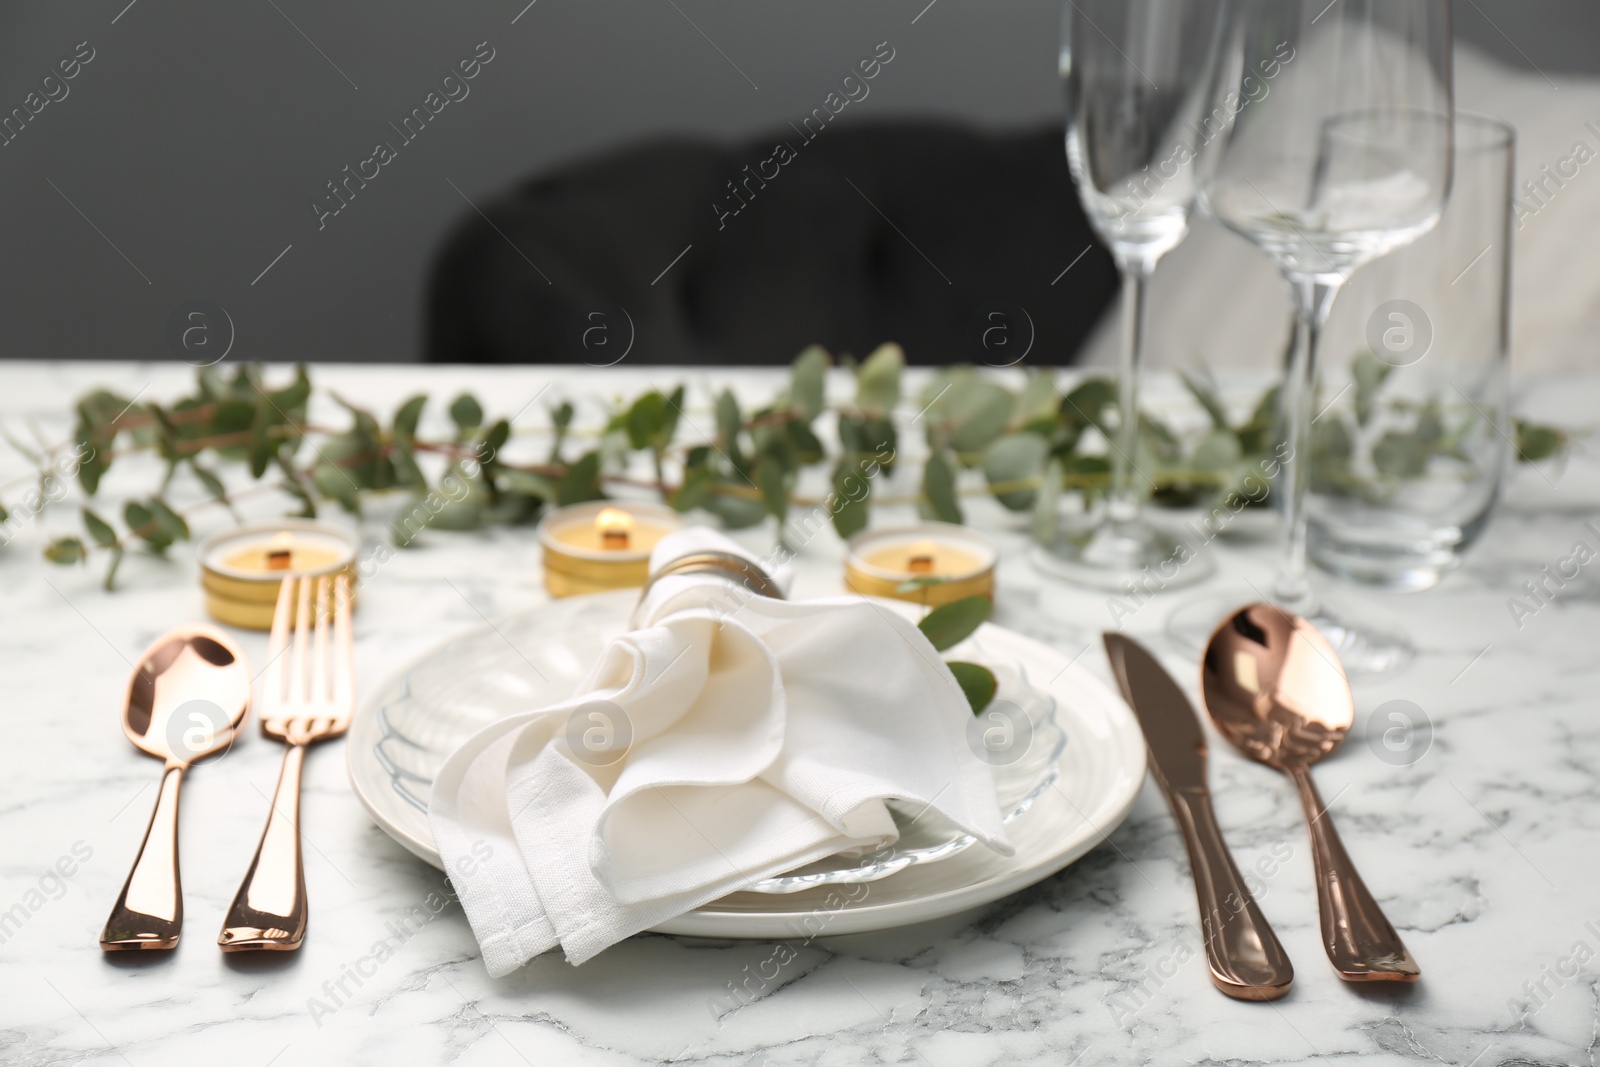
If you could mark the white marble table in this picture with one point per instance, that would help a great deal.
(1483, 851)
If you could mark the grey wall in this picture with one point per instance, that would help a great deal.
(192, 145)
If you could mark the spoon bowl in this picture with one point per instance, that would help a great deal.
(1275, 688)
(186, 700)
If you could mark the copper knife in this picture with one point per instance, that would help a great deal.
(1243, 953)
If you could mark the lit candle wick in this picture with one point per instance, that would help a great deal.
(280, 552)
(922, 557)
(615, 526)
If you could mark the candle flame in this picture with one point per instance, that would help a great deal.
(922, 557)
(614, 525)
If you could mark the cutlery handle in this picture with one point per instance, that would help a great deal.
(1360, 941)
(1244, 955)
(149, 913)
(269, 911)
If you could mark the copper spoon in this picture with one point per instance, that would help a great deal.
(1275, 688)
(185, 701)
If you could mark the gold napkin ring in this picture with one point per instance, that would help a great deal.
(728, 564)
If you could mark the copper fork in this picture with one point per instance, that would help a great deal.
(307, 695)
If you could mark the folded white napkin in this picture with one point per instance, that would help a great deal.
(728, 738)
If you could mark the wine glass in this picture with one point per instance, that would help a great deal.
(1139, 77)
(1340, 149)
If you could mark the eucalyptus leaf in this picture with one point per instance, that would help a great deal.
(1536, 442)
(172, 524)
(261, 447)
(1158, 445)
(978, 683)
(950, 624)
(334, 483)
(93, 460)
(466, 412)
(1011, 460)
(526, 483)
(773, 480)
(807, 446)
(1219, 452)
(806, 382)
(99, 529)
(980, 412)
(729, 423)
(66, 550)
(143, 524)
(1038, 398)
(869, 437)
(1260, 431)
(1047, 505)
(646, 418)
(935, 398)
(1205, 391)
(407, 417)
(561, 419)
(1331, 441)
(939, 490)
(849, 500)
(212, 484)
(493, 441)
(878, 380)
(1086, 404)
(1400, 455)
(407, 473)
(1089, 475)
(734, 508)
(580, 481)
(696, 487)
(458, 515)
(291, 400)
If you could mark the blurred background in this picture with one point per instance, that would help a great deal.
(180, 168)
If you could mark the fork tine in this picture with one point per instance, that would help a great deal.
(278, 646)
(302, 635)
(344, 668)
(319, 648)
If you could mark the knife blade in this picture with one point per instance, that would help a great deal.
(1244, 956)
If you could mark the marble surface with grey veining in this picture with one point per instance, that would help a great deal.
(1481, 839)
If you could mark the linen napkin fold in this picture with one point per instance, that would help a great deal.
(727, 738)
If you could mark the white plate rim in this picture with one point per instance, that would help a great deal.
(1078, 691)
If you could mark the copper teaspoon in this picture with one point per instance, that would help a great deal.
(185, 701)
(1275, 688)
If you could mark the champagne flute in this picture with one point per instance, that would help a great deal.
(1139, 78)
(1345, 153)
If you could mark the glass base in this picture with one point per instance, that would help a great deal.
(1133, 558)
(1388, 560)
(1366, 649)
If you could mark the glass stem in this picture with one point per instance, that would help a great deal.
(1314, 298)
(1126, 498)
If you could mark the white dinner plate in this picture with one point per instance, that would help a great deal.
(1099, 770)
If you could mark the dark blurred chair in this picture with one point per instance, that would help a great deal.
(953, 243)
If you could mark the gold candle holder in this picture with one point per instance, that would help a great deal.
(242, 568)
(602, 545)
(945, 562)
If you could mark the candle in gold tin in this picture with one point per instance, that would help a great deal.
(242, 568)
(932, 563)
(590, 548)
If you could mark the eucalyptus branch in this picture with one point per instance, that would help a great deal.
(1032, 445)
